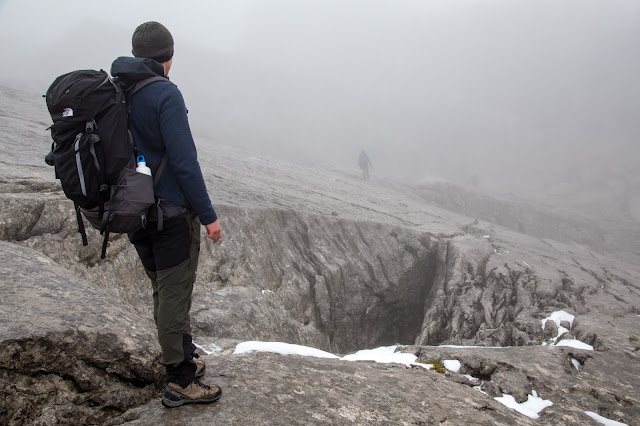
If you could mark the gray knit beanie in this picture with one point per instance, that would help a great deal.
(152, 40)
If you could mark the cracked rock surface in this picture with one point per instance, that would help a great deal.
(315, 256)
(65, 357)
(271, 389)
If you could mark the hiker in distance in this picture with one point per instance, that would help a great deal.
(364, 163)
(169, 246)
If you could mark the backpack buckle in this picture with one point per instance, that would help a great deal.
(90, 126)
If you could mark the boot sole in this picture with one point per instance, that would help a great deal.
(173, 404)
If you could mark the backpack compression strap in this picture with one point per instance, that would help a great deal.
(105, 241)
(156, 178)
(81, 229)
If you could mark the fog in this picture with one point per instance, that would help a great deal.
(528, 97)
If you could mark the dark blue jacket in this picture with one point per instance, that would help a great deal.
(158, 123)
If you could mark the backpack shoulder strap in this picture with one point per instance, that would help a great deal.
(129, 91)
(158, 173)
(138, 85)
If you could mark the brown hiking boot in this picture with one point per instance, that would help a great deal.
(200, 367)
(195, 393)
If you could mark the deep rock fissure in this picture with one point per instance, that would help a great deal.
(374, 278)
(323, 281)
(379, 308)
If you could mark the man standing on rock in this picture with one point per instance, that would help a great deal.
(169, 252)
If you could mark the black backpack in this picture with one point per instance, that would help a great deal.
(94, 155)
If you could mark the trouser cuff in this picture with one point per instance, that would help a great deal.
(185, 372)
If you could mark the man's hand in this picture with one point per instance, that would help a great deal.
(213, 231)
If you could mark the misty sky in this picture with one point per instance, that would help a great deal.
(514, 92)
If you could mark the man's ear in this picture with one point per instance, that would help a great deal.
(167, 66)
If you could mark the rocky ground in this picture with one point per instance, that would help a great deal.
(315, 256)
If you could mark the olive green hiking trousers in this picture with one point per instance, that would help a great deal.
(170, 258)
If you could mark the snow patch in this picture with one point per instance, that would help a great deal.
(471, 378)
(209, 349)
(558, 317)
(479, 389)
(603, 420)
(561, 331)
(471, 347)
(425, 366)
(574, 344)
(452, 365)
(575, 363)
(281, 348)
(531, 407)
(384, 354)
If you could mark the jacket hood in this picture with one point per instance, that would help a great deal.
(129, 70)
